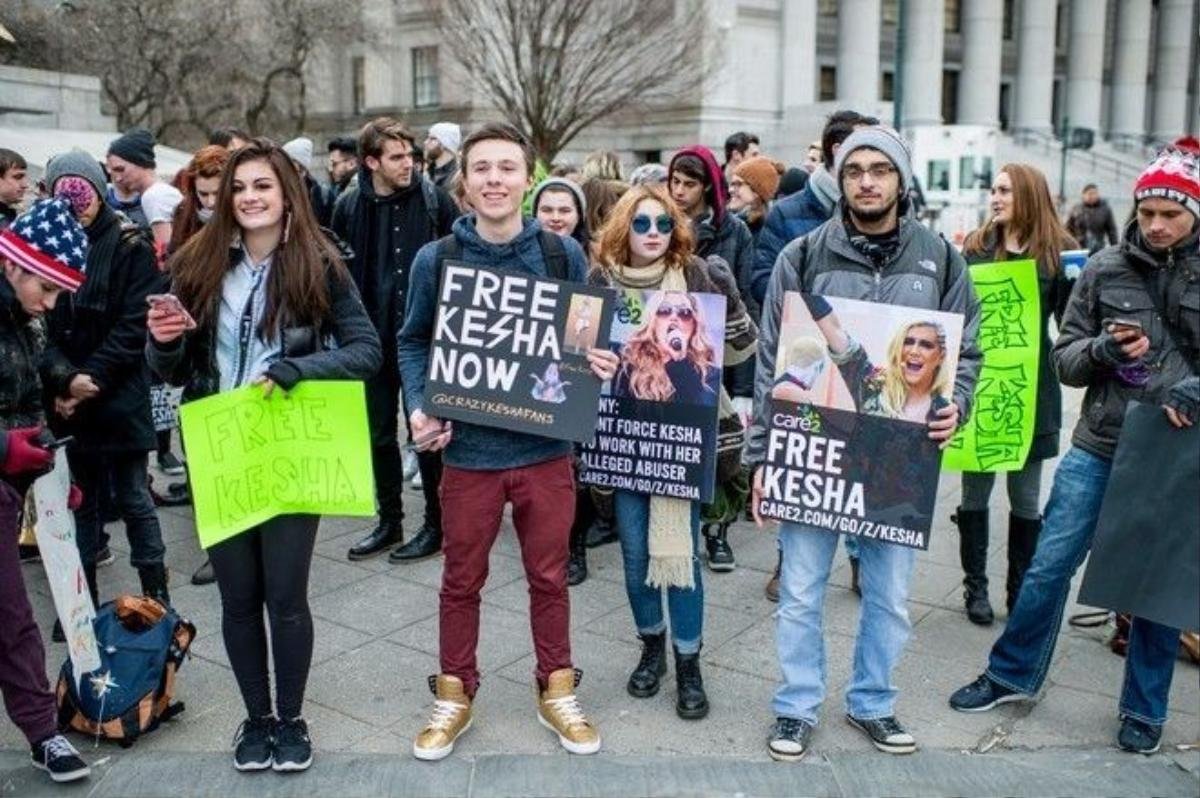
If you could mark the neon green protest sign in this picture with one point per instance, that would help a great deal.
(999, 432)
(252, 458)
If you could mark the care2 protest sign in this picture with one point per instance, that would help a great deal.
(251, 458)
(510, 350)
(999, 432)
(848, 449)
(658, 417)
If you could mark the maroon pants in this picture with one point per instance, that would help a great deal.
(543, 507)
(27, 695)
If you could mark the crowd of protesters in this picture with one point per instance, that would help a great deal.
(267, 262)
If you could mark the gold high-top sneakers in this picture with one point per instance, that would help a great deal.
(451, 717)
(559, 711)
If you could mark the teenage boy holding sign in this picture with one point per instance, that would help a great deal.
(488, 467)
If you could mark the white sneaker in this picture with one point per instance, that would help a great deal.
(416, 480)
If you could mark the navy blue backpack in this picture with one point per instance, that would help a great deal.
(142, 645)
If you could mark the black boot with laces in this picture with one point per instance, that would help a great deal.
(646, 677)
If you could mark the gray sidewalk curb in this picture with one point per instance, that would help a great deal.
(1009, 772)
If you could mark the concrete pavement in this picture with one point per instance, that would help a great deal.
(376, 641)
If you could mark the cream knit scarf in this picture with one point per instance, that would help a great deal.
(670, 532)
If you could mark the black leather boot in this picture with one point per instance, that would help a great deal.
(154, 583)
(383, 537)
(691, 702)
(972, 553)
(577, 571)
(647, 676)
(1022, 543)
(426, 543)
(716, 543)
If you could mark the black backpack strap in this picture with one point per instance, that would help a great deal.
(555, 255)
(432, 204)
(803, 269)
(448, 248)
(946, 268)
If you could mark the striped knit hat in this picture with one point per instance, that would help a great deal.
(47, 241)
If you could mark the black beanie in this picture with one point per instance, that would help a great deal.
(135, 145)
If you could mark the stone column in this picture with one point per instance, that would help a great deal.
(1130, 63)
(924, 30)
(798, 44)
(1035, 66)
(1176, 36)
(1085, 63)
(979, 80)
(858, 27)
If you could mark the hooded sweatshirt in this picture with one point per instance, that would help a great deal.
(472, 446)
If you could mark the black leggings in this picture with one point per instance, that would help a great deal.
(268, 565)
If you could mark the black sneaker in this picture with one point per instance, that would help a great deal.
(1138, 737)
(789, 739)
(983, 694)
(720, 555)
(170, 465)
(293, 748)
(58, 757)
(886, 733)
(104, 557)
(30, 553)
(253, 743)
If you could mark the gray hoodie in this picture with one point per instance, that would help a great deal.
(925, 272)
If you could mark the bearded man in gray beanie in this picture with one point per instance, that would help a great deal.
(870, 250)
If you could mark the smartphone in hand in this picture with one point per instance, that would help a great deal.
(171, 304)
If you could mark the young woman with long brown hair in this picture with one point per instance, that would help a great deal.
(647, 245)
(273, 304)
(1023, 224)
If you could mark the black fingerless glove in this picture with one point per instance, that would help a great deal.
(1106, 351)
(817, 306)
(1184, 398)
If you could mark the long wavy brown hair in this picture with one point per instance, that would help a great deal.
(207, 163)
(1034, 222)
(643, 360)
(297, 288)
(613, 238)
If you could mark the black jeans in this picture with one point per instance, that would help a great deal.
(125, 474)
(268, 566)
(383, 409)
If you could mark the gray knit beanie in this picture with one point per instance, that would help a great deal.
(79, 163)
(560, 183)
(135, 145)
(885, 140)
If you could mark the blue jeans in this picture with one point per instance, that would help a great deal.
(883, 627)
(632, 512)
(1021, 656)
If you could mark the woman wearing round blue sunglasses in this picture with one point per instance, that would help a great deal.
(647, 245)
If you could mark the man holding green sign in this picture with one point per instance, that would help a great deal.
(1018, 276)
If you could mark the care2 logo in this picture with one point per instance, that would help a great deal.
(630, 310)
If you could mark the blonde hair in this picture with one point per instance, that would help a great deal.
(895, 390)
(643, 361)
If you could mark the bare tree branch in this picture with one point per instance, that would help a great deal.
(553, 67)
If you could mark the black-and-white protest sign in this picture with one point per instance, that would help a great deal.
(657, 430)
(510, 350)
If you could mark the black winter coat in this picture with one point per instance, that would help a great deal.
(21, 342)
(191, 361)
(101, 331)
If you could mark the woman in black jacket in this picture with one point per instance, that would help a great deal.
(1023, 225)
(264, 311)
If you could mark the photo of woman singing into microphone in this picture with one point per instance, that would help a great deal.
(671, 357)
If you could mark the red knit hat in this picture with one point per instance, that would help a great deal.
(1174, 175)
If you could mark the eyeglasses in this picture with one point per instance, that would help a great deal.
(922, 343)
(681, 312)
(736, 184)
(878, 171)
(642, 222)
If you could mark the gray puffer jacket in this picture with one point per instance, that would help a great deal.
(1116, 282)
(925, 272)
